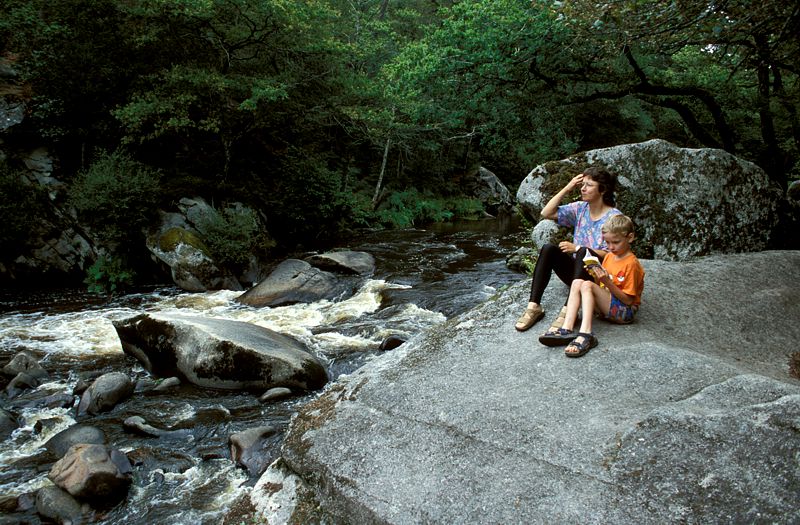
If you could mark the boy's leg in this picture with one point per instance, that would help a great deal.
(593, 298)
(558, 336)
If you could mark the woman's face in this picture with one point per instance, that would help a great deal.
(590, 190)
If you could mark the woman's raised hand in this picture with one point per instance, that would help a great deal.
(577, 180)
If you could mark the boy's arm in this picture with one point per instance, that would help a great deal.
(601, 276)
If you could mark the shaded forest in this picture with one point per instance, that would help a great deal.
(330, 115)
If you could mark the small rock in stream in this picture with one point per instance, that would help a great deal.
(138, 425)
(251, 448)
(58, 505)
(105, 393)
(61, 442)
(24, 362)
(93, 472)
(8, 423)
(168, 383)
(274, 394)
(21, 382)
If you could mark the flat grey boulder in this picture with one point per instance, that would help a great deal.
(344, 261)
(293, 281)
(686, 202)
(218, 353)
(689, 415)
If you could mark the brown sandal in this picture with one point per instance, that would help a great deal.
(558, 322)
(529, 318)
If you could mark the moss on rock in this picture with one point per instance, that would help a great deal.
(170, 239)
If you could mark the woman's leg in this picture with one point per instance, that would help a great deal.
(551, 259)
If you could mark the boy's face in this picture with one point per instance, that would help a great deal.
(618, 244)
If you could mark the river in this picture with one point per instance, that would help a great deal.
(423, 277)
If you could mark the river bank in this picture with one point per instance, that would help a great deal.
(422, 278)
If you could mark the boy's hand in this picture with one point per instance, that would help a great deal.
(598, 273)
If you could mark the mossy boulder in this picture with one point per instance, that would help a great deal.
(685, 202)
(191, 266)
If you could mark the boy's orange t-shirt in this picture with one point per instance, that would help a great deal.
(627, 273)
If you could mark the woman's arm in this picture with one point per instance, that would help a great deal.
(550, 210)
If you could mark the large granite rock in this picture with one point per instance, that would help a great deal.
(490, 190)
(687, 416)
(218, 353)
(56, 248)
(685, 202)
(293, 281)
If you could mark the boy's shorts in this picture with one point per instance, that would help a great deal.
(620, 312)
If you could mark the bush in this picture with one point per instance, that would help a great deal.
(233, 234)
(116, 196)
(108, 275)
(306, 202)
(21, 209)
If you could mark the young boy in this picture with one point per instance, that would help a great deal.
(615, 293)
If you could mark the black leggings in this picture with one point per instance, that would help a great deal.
(567, 266)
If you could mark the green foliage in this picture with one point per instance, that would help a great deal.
(109, 274)
(408, 208)
(289, 106)
(21, 209)
(116, 196)
(233, 234)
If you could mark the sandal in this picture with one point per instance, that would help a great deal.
(529, 318)
(558, 337)
(589, 342)
(559, 321)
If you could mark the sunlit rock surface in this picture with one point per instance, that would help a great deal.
(687, 416)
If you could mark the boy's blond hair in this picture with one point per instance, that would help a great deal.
(618, 224)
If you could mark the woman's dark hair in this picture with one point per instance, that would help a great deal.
(606, 181)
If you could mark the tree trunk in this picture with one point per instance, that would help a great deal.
(773, 155)
(380, 177)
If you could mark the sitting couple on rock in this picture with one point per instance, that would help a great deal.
(613, 289)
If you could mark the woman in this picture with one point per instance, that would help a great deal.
(566, 260)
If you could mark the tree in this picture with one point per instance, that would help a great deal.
(727, 68)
